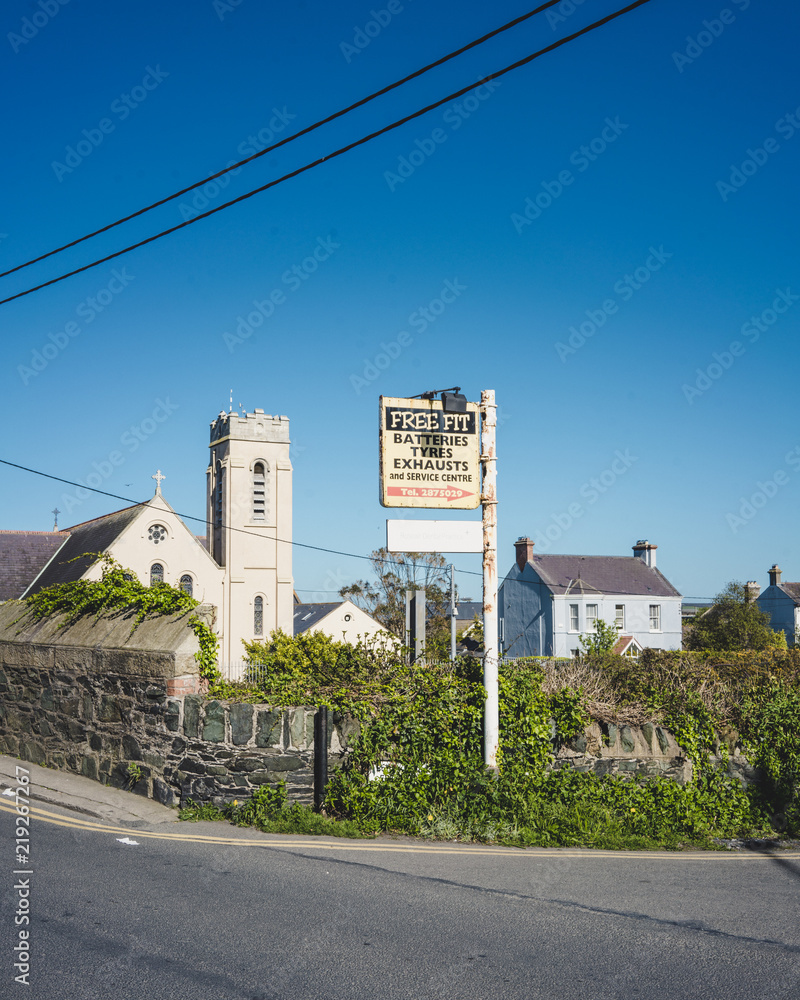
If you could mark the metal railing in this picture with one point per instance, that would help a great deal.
(249, 673)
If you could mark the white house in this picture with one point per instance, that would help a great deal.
(548, 602)
(342, 621)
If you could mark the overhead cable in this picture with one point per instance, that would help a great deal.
(289, 138)
(338, 152)
(200, 520)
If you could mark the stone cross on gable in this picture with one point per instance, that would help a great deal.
(55, 512)
(158, 478)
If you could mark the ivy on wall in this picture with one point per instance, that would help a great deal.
(417, 765)
(119, 591)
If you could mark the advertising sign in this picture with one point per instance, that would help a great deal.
(429, 458)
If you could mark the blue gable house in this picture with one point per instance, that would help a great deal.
(781, 601)
(547, 602)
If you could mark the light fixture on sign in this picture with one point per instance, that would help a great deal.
(452, 400)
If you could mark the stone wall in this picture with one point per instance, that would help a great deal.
(641, 751)
(126, 709)
(224, 750)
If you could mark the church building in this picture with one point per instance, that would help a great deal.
(243, 566)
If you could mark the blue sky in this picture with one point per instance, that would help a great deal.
(657, 160)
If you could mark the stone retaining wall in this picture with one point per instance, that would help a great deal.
(125, 708)
(129, 733)
(642, 751)
(114, 710)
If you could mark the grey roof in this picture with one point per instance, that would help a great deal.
(467, 611)
(791, 590)
(91, 536)
(23, 555)
(306, 615)
(601, 575)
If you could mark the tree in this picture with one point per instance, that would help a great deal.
(603, 641)
(732, 624)
(385, 598)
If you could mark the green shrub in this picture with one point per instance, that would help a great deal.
(269, 812)
(570, 717)
(426, 744)
(314, 669)
(566, 809)
(769, 722)
(265, 804)
(417, 767)
(431, 781)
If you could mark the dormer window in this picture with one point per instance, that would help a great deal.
(259, 492)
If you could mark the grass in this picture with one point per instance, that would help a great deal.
(548, 824)
(295, 819)
(582, 825)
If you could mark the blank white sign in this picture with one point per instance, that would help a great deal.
(434, 536)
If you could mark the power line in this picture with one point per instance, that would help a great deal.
(242, 531)
(343, 149)
(290, 138)
(311, 590)
(200, 520)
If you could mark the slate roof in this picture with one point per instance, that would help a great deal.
(23, 555)
(468, 609)
(601, 575)
(466, 615)
(791, 590)
(306, 615)
(91, 536)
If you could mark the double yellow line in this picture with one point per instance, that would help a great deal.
(382, 847)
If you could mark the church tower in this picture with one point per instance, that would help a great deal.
(249, 513)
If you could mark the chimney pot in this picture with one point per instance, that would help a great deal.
(524, 547)
(646, 552)
(751, 591)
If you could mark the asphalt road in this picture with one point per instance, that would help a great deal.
(243, 915)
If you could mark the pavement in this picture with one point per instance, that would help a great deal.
(83, 795)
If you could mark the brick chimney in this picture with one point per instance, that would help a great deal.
(524, 547)
(775, 576)
(751, 592)
(645, 551)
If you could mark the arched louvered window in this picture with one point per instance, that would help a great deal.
(258, 616)
(259, 492)
(187, 584)
(156, 573)
(220, 496)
